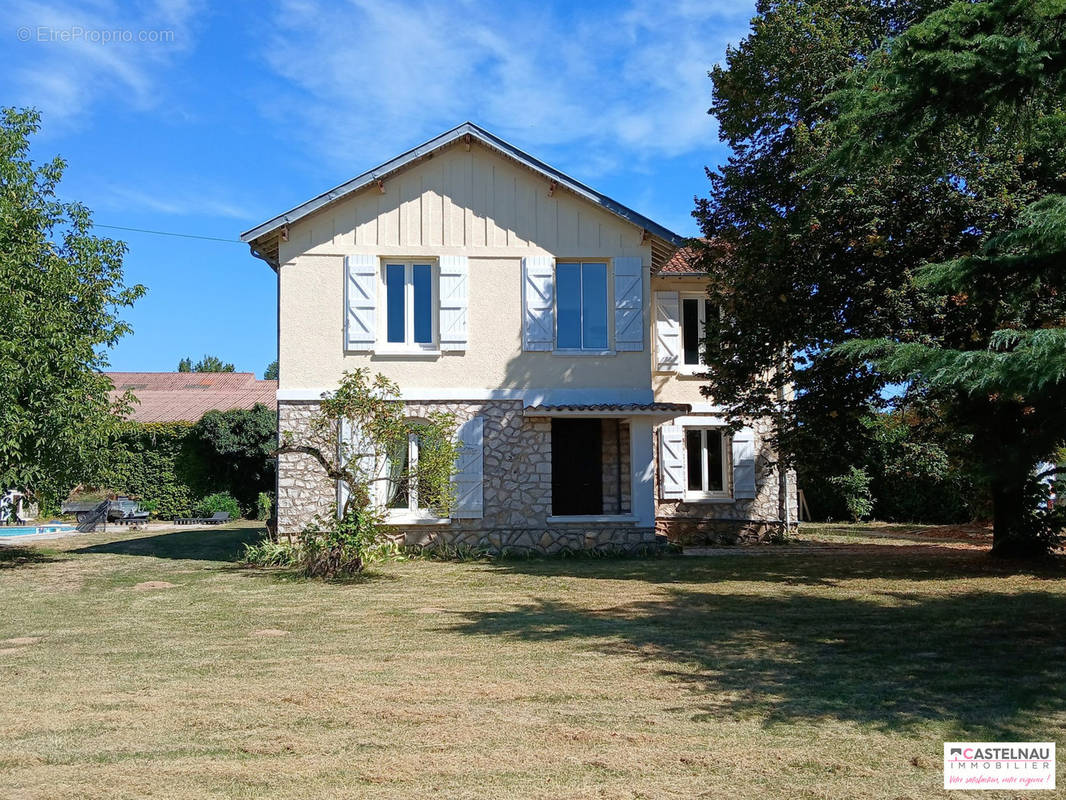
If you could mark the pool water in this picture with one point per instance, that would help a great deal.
(30, 530)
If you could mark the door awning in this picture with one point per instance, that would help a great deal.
(657, 410)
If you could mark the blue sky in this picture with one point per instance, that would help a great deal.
(214, 118)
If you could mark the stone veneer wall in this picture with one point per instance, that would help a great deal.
(304, 492)
(517, 487)
(736, 522)
(614, 445)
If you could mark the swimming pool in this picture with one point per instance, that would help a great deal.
(31, 530)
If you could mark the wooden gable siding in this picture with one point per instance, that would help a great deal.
(469, 200)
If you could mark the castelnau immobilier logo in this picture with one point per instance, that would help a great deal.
(999, 765)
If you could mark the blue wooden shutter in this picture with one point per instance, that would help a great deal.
(671, 462)
(667, 331)
(628, 304)
(538, 300)
(469, 475)
(744, 464)
(454, 291)
(360, 301)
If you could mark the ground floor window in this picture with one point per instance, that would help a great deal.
(401, 492)
(705, 462)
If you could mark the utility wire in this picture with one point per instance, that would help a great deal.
(169, 233)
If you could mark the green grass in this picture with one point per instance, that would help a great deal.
(823, 675)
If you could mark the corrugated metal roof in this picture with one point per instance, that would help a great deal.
(187, 396)
(448, 137)
(609, 409)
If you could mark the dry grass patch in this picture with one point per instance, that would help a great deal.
(785, 676)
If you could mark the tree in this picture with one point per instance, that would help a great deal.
(815, 256)
(979, 90)
(271, 372)
(61, 296)
(240, 445)
(354, 436)
(794, 265)
(205, 364)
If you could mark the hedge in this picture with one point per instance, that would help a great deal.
(176, 464)
(162, 462)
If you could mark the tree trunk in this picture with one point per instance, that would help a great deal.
(1013, 535)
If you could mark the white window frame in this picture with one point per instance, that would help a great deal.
(609, 296)
(413, 513)
(409, 345)
(706, 494)
(701, 314)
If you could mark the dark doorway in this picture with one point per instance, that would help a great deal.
(577, 467)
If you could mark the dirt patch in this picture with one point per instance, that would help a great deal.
(146, 585)
(23, 640)
(270, 632)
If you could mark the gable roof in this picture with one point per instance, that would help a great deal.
(187, 396)
(263, 238)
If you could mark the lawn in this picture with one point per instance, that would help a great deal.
(152, 665)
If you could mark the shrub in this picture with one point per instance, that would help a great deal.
(272, 554)
(263, 506)
(342, 547)
(329, 548)
(855, 486)
(219, 501)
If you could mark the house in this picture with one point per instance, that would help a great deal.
(187, 396)
(560, 326)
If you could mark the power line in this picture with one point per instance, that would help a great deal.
(169, 233)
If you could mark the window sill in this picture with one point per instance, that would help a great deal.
(563, 518)
(415, 519)
(578, 352)
(705, 498)
(692, 371)
(405, 352)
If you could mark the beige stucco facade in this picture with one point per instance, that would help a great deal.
(459, 202)
(312, 354)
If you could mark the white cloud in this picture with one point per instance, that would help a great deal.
(72, 56)
(363, 76)
(174, 200)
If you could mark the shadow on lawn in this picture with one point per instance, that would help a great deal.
(226, 544)
(11, 557)
(986, 663)
(883, 562)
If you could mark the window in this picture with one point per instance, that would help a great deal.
(401, 493)
(705, 463)
(410, 305)
(695, 311)
(581, 305)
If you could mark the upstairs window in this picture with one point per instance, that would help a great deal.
(695, 311)
(410, 305)
(581, 305)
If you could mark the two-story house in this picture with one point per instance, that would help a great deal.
(562, 328)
